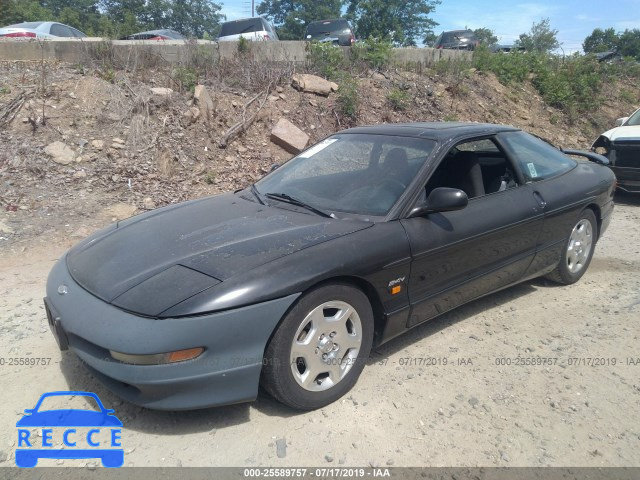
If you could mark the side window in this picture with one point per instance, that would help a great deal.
(537, 159)
(77, 33)
(60, 30)
(476, 167)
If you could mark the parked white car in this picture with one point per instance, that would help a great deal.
(40, 30)
(621, 145)
(254, 29)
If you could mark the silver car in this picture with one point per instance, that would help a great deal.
(40, 30)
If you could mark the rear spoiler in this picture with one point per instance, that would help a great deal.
(591, 156)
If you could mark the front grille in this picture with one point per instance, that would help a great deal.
(627, 154)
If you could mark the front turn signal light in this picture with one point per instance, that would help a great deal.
(158, 358)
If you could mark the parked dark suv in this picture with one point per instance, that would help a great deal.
(457, 40)
(338, 31)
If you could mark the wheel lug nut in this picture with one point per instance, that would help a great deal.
(332, 334)
(324, 356)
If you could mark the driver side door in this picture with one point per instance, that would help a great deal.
(461, 255)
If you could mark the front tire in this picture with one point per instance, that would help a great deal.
(319, 349)
(578, 250)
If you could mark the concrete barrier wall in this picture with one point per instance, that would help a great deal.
(133, 53)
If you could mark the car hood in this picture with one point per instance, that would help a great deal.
(189, 247)
(630, 131)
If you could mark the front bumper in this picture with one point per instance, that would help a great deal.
(628, 178)
(228, 371)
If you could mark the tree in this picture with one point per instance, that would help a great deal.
(292, 17)
(541, 38)
(601, 41)
(626, 43)
(194, 17)
(16, 11)
(401, 21)
(485, 36)
(629, 44)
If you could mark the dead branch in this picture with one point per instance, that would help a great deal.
(11, 109)
(241, 125)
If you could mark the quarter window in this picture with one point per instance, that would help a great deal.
(536, 158)
(60, 30)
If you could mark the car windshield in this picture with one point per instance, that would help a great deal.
(241, 26)
(361, 174)
(457, 36)
(634, 119)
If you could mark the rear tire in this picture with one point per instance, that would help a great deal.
(577, 251)
(320, 348)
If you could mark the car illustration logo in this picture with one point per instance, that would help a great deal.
(101, 440)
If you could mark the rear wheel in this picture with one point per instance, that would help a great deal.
(578, 250)
(318, 351)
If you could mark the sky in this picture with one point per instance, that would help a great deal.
(574, 19)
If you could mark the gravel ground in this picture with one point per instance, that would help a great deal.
(442, 395)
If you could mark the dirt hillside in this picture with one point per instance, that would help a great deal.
(107, 146)
(125, 148)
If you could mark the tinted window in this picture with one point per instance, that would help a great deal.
(77, 33)
(60, 30)
(447, 37)
(241, 26)
(328, 27)
(353, 173)
(537, 159)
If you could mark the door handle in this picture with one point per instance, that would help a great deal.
(539, 199)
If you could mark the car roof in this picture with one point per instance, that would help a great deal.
(31, 25)
(433, 130)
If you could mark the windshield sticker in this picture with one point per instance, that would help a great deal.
(532, 170)
(318, 148)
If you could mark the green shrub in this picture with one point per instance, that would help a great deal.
(571, 84)
(372, 53)
(627, 97)
(244, 46)
(186, 77)
(398, 99)
(508, 67)
(325, 59)
(347, 102)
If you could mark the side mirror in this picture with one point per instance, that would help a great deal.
(442, 199)
(620, 121)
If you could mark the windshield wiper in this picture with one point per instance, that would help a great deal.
(256, 193)
(283, 197)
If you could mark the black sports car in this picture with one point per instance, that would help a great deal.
(289, 282)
